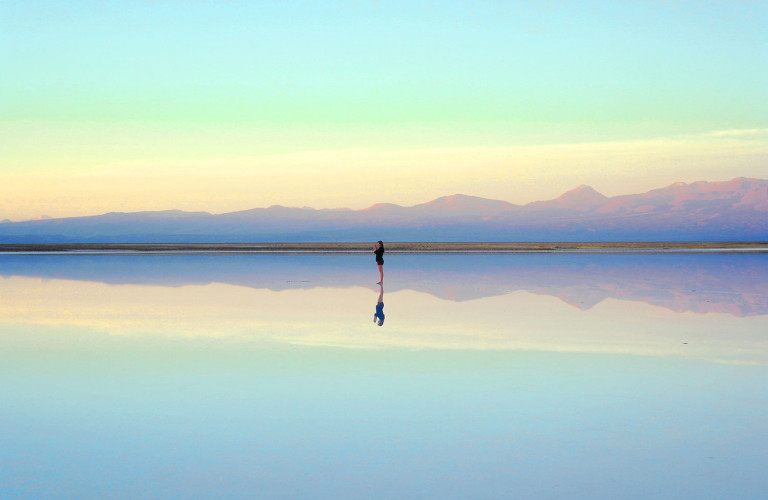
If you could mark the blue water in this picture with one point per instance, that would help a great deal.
(493, 376)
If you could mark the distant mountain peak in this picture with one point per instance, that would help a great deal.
(282, 209)
(451, 199)
(458, 196)
(382, 206)
(583, 192)
(581, 198)
(465, 203)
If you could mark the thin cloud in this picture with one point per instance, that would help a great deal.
(740, 132)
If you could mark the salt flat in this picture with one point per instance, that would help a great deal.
(535, 374)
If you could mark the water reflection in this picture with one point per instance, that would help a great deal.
(700, 283)
(378, 316)
(496, 377)
(709, 307)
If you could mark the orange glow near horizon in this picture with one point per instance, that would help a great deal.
(359, 178)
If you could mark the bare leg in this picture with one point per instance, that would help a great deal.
(381, 274)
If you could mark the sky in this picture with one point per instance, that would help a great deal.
(230, 105)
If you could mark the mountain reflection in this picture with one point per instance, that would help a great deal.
(734, 284)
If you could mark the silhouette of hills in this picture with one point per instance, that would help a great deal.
(713, 211)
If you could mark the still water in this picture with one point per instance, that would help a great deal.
(464, 376)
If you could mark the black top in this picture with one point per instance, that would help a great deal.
(380, 254)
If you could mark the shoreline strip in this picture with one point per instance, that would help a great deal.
(392, 248)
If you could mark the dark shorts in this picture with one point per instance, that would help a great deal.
(380, 262)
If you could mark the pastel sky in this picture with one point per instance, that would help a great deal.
(229, 105)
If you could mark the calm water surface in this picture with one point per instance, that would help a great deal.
(465, 376)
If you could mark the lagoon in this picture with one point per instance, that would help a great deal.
(491, 376)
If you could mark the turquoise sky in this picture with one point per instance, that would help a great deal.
(88, 85)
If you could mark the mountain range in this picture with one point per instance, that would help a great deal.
(734, 210)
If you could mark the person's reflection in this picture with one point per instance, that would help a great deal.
(378, 317)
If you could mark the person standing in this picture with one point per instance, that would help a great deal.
(378, 249)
